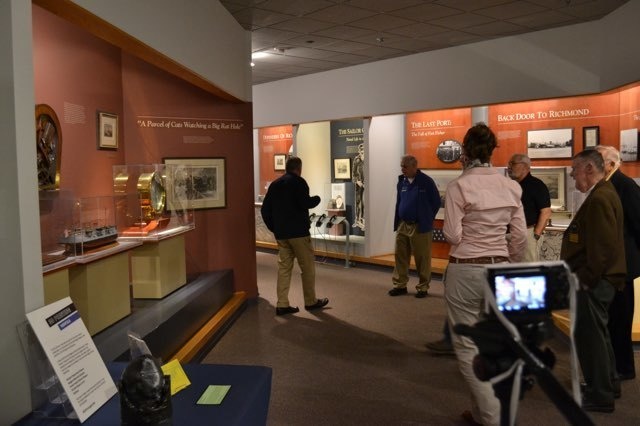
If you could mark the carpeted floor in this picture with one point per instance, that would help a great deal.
(362, 360)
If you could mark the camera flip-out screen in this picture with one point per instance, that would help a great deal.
(529, 289)
(520, 293)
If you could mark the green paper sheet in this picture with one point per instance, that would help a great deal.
(214, 394)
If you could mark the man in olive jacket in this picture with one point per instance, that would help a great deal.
(593, 248)
(285, 211)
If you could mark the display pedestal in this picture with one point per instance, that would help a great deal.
(100, 291)
(336, 229)
(56, 285)
(158, 268)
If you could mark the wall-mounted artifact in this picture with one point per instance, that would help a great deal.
(449, 151)
(48, 147)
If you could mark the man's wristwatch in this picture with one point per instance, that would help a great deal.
(536, 236)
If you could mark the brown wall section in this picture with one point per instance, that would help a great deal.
(76, 68)
(224, 238)
(83, 73)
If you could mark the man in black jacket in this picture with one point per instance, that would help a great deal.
(285, 211)
(621, 308)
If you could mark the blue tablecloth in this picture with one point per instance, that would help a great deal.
(246, 403)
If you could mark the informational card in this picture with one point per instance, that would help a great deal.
(73, 355)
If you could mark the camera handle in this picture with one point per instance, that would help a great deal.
(504, 388)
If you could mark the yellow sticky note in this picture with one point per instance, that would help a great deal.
(179, 379)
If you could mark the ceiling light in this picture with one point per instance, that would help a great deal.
(258, 55)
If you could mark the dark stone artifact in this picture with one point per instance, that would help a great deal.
(145, 394)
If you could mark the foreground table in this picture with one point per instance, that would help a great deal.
(246, 403)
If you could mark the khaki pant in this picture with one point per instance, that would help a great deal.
(464, 293)
(532, 251)
(288, 250)
(410, 241)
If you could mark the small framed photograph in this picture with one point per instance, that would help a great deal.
(279, 162)
(591, 136)
(342, 168)
(107, 126)
(550, 143)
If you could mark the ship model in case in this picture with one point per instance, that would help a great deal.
(80, 240)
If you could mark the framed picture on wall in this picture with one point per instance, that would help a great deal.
(107, 127)
(629, 144)
(555, 179)
(442, 179)
(591, 136)
(202, 183)
(279, 162)
(342, 168)
(550, 143)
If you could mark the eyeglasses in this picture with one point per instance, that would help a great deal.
(511, 163)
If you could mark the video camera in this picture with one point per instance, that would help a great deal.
(519, 300)
(526, 292)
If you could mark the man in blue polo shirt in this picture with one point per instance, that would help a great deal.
(536, 203)
(417, 203)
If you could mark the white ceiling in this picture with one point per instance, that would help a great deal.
(307, 36)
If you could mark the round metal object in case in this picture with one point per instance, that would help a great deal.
(48, 147)
(449, 151)
(152, 194)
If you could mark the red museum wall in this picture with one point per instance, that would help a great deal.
(424, 131)
(74, 67)
(272, 141)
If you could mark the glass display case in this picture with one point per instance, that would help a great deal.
(72, 227)
(92, 226)
(55, 217)
(151, 200)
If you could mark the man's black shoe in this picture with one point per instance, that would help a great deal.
(421, 294)
(287, 310)
(617, 392)
(397, 291)
(606, 407)
(319, 304)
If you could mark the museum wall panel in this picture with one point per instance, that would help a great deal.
(165, 117)
(77, 75)
(274, 144)
(517, 123)
(160, 116)
(437, 132)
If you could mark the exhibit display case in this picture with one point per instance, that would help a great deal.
(152, 201)
(72, 227)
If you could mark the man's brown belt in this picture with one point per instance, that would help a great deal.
(480, 260)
